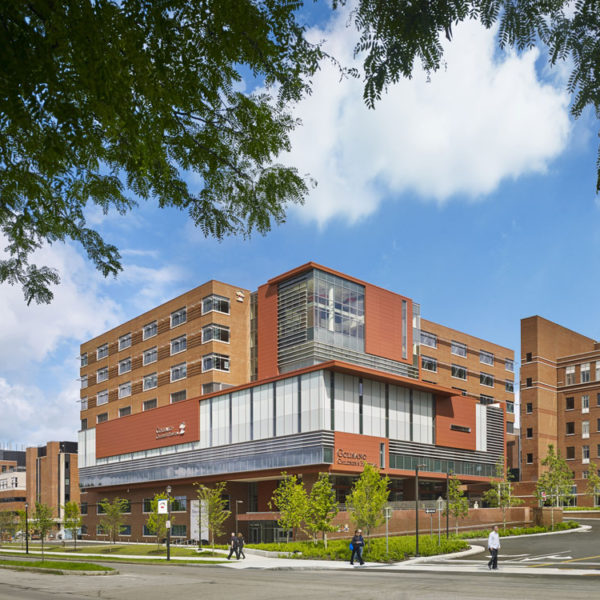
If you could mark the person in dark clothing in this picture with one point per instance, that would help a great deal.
(358, 543)
(234, 547)
(240, 540)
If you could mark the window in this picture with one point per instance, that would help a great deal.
(84, 382)
(102, 351)
(459, 349)
(585, 454)
(483, 399)
(217, 362)
(216, 333)
(179, 530)
(125, 389)
(570, 375)
(570, 452)
(585, 429)
(529, 432)
(147, 532)
(150, 355)
(125, 530)
(429, 364)
(150, 381)
(179, 344)
(528, 382)
(459, 372)
(569, 403)
(429, 339)
(102, 418)
(84, 403)
(179, 504)
(486, 379)
(125, 411)
(147, 505)
(585, 403)
(584, 372)
(83, 508)
(597, 424)
(149, 404)
(510, 427)
(178, 396)
(125, 341)
(598, 453)
(598, 370)
(102, 374)
(125, 365)
(150, 330)
(487, 358)
(84, 424)
(101, 397)
(178, 372)
(528, 357)
(530, 459)
(509, 364)
(510, 408)
(585, 474)
(509, 386)
(570, 428)
(529, 408)
(100, 530)
(597, 399)
(216, 304)
(83, 359)
(178, 317)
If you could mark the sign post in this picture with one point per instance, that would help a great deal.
(388, 514)
(430, 512)
(440, 505)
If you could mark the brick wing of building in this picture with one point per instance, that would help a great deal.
(314, 372)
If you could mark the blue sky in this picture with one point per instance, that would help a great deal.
(473, 194)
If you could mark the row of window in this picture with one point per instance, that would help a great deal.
(585, 428)
(178, 504)
(210, 362)
(212, 303)
(212, 332)
(4, 483)
(460, 372)
(585, 403)
(584, 373)
(460, 349)
(176, 530)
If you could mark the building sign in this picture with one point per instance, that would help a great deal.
(166, 432)
(163, 507)
(348, 457)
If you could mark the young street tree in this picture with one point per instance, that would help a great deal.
(8, 523)
(291, 501)
(367, 500)
(458, 505)
(321, 509)
(100, 105)
(72, 519)
(43, 522)
(214, 509)
(112, 521)
(157, 523)
(593, 483)
(501, 493)
(556, 481)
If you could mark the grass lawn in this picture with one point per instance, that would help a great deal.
(54, 565)
(483, 533)
(111, 549)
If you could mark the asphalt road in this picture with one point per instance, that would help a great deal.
(564, 551)
(158, 582)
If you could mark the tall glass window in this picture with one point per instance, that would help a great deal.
(399, 416)
(346, 403)
(373, 408)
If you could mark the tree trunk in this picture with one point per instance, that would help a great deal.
(325, 539)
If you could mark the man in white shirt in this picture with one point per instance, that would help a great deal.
(494, 546)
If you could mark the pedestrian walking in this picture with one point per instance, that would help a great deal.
(240, 540)
(493, 547)
(233, 547)
(356, 545)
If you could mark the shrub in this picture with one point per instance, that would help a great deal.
(483, 533)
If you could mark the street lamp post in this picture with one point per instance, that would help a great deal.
(447, 503)
(237, 503)
(417, 467)
(388, 514)
(26, 529)
(168, 522)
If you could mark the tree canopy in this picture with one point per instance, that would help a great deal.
(107, 101)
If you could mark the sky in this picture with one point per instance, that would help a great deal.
(471, 192)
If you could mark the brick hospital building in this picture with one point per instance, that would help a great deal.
(304, 375)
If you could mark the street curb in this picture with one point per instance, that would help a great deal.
(580, 529)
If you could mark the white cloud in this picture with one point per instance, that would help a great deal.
(35, 417)
(485, 118)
